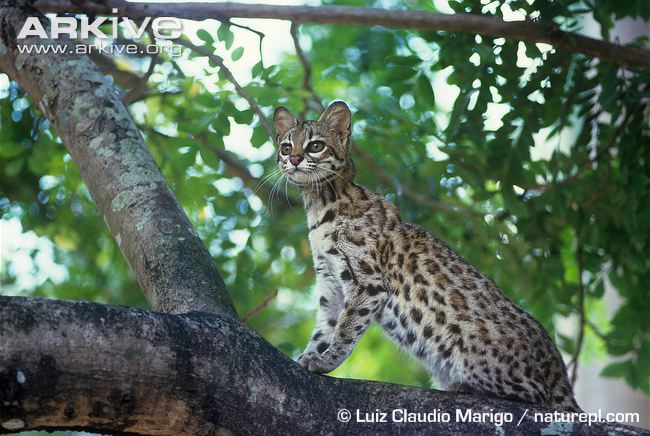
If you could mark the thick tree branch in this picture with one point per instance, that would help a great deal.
(78, 365)
(160, 245)
(467, 23)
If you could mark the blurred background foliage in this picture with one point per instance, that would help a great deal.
(533, 164)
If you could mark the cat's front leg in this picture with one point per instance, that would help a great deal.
(360, 309)
(329, 310)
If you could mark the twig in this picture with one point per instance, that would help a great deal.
(262, 304)
(307, 70)
(229, 22)
(231, 78)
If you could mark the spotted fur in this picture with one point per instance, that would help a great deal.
(370, 265)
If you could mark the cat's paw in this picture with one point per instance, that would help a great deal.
(320, 364)
(306, 357)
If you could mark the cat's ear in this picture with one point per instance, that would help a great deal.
(337, 115)
(283, 121)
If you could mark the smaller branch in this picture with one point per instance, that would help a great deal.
(218, 60)
(262, 304)
(171, 264)
(307, 71)
(362, 16)
(227, 21)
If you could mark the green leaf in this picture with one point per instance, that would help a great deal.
(187, 159)
(225, 34)
(237, 53)
(198, 125)
(257, 69)
(14, 166)
(424, 95)
(221, 125)
(398, 73)
(243, 117)
(205, 36)
(208, 156)
(616, 369)
(260, 136)
(408, 61)
(11, 149)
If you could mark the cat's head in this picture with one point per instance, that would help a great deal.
(312, 151)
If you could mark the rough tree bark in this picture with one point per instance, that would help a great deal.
(170, 262)
(75, 365)
(99, 367)
(466, 23)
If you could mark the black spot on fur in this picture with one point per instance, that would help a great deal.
(373, 290)
(416, 315)
(329, 216)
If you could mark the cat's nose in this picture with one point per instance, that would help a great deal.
(295, 160)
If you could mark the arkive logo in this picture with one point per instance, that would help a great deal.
(82, 27)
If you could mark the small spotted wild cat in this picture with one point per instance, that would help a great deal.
(372, 265)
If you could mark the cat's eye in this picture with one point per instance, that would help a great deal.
(285, 148)
(315, 147)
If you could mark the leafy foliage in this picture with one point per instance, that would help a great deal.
(534, 165)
